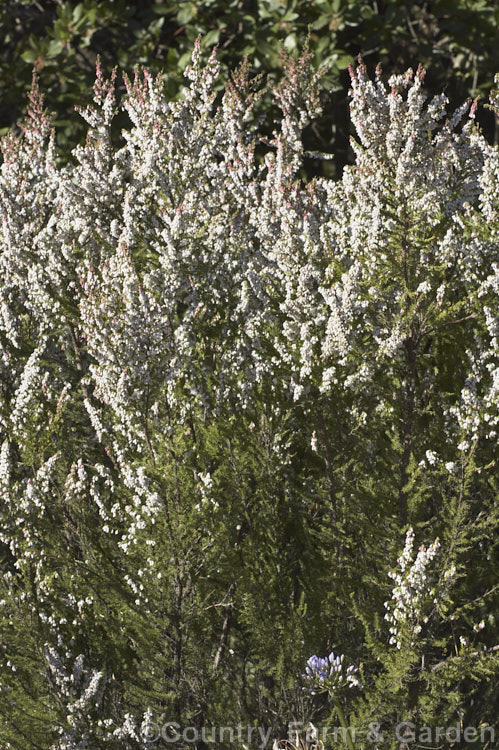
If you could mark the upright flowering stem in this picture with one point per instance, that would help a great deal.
(343, 721)
(329, 675)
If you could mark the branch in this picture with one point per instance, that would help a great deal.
(441, 664)
(225, 629)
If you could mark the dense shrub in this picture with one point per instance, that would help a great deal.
(230, 401)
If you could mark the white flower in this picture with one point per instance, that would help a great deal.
(431, 457)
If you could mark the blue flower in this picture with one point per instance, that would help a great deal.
(328, 674)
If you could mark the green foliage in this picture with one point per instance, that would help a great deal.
(61, 41)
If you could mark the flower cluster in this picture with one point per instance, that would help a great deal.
(329, 674)
(413, 593)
